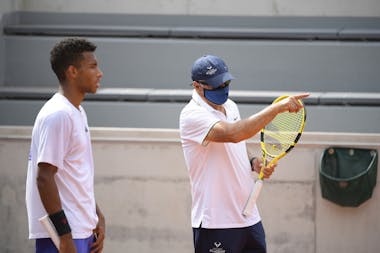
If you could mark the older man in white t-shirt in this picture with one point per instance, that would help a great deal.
(213, 139)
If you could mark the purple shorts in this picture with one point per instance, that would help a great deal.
(46, 245)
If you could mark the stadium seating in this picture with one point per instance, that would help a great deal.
(146, 61)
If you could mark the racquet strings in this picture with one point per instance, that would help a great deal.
(277, 139)
(282, 132)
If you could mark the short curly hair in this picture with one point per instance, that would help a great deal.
(68, 52)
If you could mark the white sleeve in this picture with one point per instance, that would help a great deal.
(196, 124)
(54, 132)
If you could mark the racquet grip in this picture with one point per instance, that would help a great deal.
(248, 208)
(48, 225)
(274, 161)
(261, 175)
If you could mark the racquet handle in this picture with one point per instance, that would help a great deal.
(248, 208)
(48, 225)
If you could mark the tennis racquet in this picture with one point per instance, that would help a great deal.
(277, 139)
(48, 225)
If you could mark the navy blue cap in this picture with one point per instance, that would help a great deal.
(210, 69)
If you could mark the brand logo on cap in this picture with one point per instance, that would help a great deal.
(210, 71)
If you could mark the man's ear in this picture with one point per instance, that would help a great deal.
(71, 72)
(196, 85)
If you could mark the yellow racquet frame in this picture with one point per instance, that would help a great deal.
(286, 132)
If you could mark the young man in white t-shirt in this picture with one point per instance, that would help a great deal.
(60, 179)
(213, 139)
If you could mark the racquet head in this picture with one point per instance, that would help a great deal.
(282, 133)
(276, 139)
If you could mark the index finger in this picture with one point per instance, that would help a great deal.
(301, 96)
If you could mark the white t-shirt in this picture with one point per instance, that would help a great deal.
(220, 173)
(61, 137)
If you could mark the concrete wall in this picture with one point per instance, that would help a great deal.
(210, 7)
(142, 186)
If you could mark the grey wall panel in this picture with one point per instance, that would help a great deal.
(19, 112)
(351, 119)
(2, 52)
(165, 63)
(27, 61)
(192, 26)
(2, 60)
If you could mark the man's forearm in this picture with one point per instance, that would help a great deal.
(48, 189)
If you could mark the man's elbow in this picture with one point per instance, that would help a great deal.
(45, 174)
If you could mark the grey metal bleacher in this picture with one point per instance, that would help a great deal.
(146, 61)
(156, 51)
(183, 96)
(181, 26)
(160, 108)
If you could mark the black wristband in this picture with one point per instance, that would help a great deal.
(251, 160)
(60, 223)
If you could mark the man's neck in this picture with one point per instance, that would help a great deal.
(71, 94)
(215, 106)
